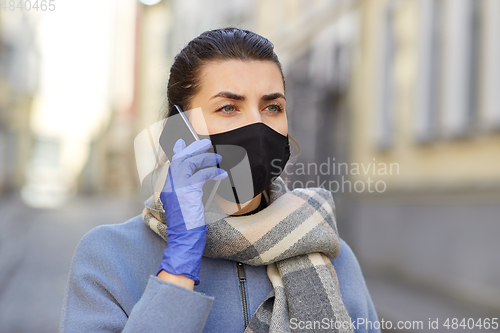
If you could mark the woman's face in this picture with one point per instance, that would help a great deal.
(235, 93)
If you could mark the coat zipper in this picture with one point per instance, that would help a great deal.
(242, 278)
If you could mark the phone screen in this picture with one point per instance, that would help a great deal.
(178, 127)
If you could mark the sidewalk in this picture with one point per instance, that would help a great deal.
(401, 302)
(36, 248)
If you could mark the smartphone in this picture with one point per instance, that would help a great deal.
(177, 127)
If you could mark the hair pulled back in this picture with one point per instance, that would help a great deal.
(213, 45)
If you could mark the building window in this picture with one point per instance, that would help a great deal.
(384, 131)
(428, 71)
(490, 117)
(460, 67)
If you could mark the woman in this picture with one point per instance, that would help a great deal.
(265, 262)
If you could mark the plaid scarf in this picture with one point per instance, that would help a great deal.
(294, 236)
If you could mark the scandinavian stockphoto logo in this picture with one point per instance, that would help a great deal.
(367, 174)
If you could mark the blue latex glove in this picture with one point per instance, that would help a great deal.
(184, 212)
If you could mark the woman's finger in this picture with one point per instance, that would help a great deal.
(194, 148)
(203, 175)
(199, 161)
(179, 146)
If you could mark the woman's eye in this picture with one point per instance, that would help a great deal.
(227, 109)
(274, 108)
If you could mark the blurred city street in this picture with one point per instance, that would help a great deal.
(395, 105)
(36, 248)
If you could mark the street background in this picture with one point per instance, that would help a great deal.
(395, 104)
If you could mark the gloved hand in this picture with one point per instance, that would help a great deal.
(184, 212)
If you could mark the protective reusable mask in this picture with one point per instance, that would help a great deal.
(253, 156)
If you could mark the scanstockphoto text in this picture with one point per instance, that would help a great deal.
(412, 325)
(342, 172)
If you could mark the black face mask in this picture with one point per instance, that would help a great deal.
(253, 156)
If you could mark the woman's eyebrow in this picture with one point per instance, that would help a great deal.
(272, 96)
(231, 95)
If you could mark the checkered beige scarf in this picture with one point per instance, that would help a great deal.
(294, 236)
